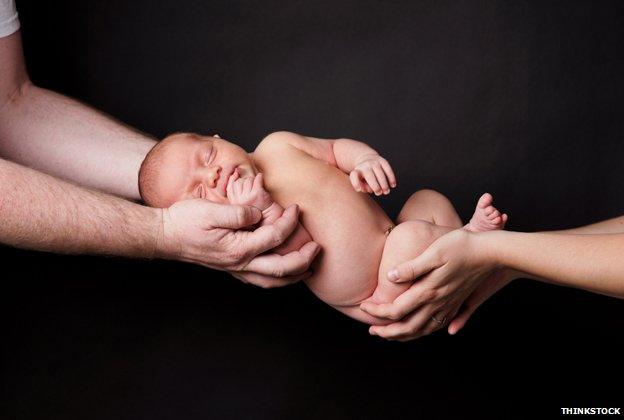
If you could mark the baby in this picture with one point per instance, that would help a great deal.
(330, 181)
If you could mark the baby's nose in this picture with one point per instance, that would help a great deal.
(213, 175)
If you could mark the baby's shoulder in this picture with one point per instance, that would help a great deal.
(276, 147)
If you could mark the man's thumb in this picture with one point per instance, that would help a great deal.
(235, 216)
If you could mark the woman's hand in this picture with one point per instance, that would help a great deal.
(372, 174)
(458, 268)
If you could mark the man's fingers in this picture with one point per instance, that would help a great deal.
(268, 282)
(293, 263)
(269, 236)
(419, 266)
(232, 216)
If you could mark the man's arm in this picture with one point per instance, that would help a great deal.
(61, 136)
(41, 212)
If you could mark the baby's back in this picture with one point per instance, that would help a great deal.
(349, 226)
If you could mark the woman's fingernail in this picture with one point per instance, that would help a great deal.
(393, 275)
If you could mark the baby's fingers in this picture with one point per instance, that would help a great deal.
(381, 178)
(356, 182)
(248, 184)
(389, 172)
(369, 176)
(230, 184)
(258, 182)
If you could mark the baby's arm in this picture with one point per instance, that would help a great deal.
(368, 171)
(250, 191)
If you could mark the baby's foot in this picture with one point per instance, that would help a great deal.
(486, 216)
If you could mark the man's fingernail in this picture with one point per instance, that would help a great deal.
(393, 275)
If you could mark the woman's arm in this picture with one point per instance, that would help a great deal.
(463, 269)
(594, 262)
(61, 136)
(615, 225)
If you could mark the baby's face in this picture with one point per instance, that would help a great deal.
(195, 166)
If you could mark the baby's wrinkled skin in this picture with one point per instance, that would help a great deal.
(329, 180)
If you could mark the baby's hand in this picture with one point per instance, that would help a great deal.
(372, 173)
(248, 191)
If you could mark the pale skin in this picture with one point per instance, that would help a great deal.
(49, 143)
(461, 270)
(330, 180)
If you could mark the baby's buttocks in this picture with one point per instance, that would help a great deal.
(350, 227)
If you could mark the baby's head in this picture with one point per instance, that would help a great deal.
(186, 165)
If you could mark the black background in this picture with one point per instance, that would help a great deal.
(522, 99)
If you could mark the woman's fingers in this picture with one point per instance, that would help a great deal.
(419, 266)
(490, 286)
(413, 298)
(407, 329)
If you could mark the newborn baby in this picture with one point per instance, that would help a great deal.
(330, 181)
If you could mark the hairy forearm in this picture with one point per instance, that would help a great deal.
(61, 136)
(65, 138)
(43, 213)
(590, 262)
(348, 153)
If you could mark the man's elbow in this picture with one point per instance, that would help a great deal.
(16, 95)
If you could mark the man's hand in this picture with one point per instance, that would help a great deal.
(206, 233)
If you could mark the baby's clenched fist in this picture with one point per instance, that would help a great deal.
(248, 191)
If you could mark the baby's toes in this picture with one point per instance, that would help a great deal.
(485, 201)
(489, 210)
(495, 214)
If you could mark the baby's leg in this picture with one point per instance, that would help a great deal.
(430, 206)
(411, 237)
(433, 207)
(406, 241)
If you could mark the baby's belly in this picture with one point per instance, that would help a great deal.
(349, 226)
